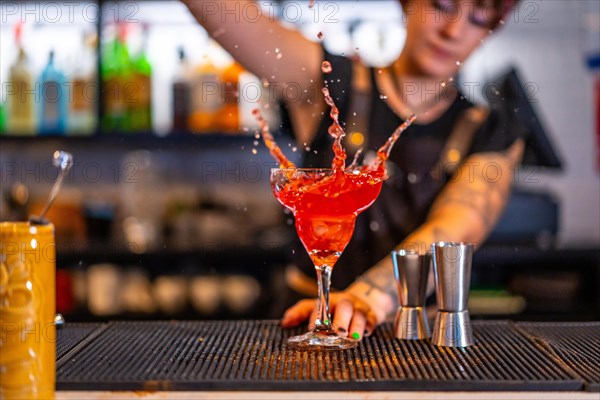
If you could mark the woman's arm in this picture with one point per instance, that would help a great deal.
(281, 56)
(252, 35)
(465, 211)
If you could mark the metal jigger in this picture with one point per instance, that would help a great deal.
(411, 271)
(452, 271)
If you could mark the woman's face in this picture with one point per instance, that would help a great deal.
(441, 33)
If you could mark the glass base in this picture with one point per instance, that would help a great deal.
(320, 341)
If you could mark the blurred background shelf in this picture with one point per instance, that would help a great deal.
(191, 196)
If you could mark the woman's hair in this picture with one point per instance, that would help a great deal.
(502, 8)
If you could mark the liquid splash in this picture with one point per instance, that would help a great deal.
(336, 131)
(270, 141)
(384, 151)
(354, 165)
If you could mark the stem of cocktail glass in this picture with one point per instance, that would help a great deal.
(323, 321)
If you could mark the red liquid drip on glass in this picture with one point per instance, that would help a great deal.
(270, 141)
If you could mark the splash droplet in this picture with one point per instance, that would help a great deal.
(294, 149)
(458, 63)
(383, 97)
(254, 151)
(276, 49)
(443, 84)
(255, 142)
(326, 67)
(278, 56)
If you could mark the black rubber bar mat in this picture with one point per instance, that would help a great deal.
(576, 344)
(252, 355)
(70, 335)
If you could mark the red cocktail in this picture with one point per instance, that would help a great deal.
(325, 204)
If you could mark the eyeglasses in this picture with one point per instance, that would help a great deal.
(483, 14)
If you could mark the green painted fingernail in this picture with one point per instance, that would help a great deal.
(355, 335)
(326, 321)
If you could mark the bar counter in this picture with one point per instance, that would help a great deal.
(249, 359)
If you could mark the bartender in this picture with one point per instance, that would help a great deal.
(449, 172)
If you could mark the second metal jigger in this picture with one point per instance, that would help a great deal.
(452, 271)
(411, 271)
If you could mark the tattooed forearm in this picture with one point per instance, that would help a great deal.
(482, 196)
(381, 277)
(476, 201)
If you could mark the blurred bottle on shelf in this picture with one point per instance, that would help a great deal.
(79, 288)
(206, 96)
(20, 93)
(53, 99)
(229, 118)
(205, 294)
(136, 292)
(182, 93)
(143, 200)
(65, 302)
(170, 293)
(240, 293)
(104, 284)
(2, 120)
(139, 103)
(116, 75)
(83, 104)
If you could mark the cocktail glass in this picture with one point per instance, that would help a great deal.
(325, 204)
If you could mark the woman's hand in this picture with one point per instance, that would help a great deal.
(356, 311)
